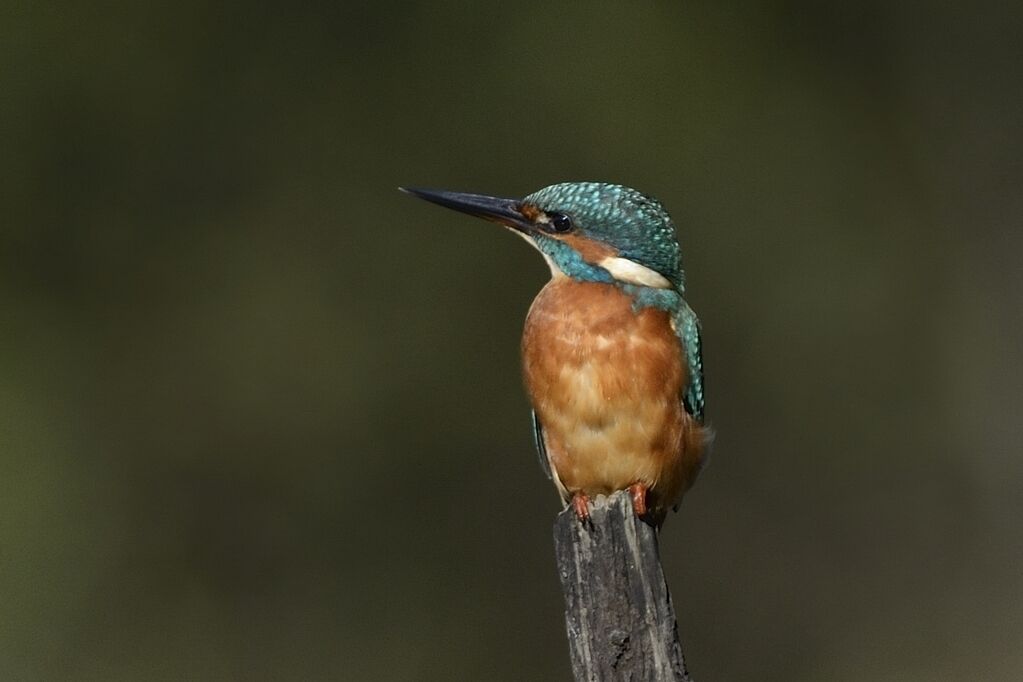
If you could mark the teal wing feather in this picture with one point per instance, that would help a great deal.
(541, 447)
(687, 326)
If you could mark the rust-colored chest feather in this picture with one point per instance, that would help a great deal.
(606, 383)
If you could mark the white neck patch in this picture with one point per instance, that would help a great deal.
(625, 270)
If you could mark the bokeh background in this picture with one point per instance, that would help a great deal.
(261, 415)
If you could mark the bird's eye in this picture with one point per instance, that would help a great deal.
(560, 222)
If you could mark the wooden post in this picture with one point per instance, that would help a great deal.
(621, 624)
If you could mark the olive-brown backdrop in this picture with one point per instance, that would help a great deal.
(260, 414)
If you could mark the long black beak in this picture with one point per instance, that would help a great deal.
(504, 211)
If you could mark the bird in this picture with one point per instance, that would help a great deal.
(611, 352)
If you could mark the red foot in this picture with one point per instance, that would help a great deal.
(638, 492)
(581, 505)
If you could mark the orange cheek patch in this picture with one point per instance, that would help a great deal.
(592, 252)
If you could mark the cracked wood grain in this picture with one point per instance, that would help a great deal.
(618, 612)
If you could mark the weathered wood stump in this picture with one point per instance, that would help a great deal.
(621, 624)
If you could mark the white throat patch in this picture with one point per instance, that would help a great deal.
(555, 270)
(625, 270)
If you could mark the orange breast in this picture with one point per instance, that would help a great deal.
(606, 383)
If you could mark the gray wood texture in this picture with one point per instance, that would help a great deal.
(620, 620)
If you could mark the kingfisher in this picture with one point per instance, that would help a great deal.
(611, 351)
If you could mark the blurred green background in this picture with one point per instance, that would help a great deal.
(262, 416)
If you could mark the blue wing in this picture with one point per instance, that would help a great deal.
(687, 326)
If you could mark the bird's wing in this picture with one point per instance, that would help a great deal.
(687, 326)
(541, 448)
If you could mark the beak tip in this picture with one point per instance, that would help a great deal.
(496, 209)
(418, 192)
